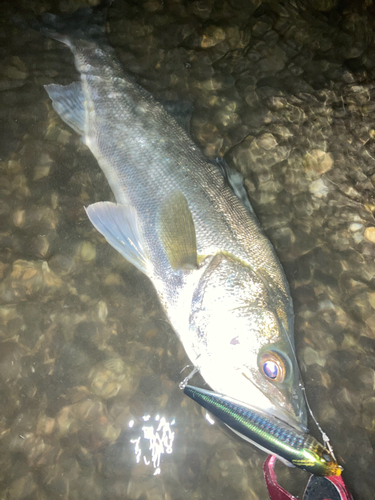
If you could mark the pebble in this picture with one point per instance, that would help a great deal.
(22, 487)
(310, 357)
(318, 161)
(370, 234)
(267, 142)
(110, 377)
(318, 188)
(88, 251)
(102, 311)
(14, 73)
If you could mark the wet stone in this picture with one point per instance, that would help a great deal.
(262, 26)
(88, 422)
(22, 487)
(14, 73)
(10, 361)
(88, 251)
(117, 460)
(267, 141)
(111, 377)
(370, 234)
(319, 188)
(61, 264)
(310, 357)
(318, 161)
(72, 365)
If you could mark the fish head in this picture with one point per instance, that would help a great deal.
(244, 332)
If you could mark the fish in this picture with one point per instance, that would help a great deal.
(268, 433)
(178, 220)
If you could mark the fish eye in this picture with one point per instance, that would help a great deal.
(270, 369)
(272, 366)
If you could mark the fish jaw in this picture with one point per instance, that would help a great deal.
(234, 326)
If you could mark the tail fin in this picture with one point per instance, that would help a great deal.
(85, 22)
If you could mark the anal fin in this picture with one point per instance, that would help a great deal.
(68, 102)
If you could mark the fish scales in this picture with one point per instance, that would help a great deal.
(143, 174)
(216, 273)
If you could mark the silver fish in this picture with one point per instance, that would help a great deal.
(180, 223)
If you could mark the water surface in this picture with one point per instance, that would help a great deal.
(89, 367)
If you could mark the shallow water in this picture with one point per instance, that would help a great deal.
(89, 367)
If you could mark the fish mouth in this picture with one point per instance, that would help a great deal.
(295, 415)
(287, 418)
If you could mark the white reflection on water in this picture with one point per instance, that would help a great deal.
(155, 440)
(209, 418)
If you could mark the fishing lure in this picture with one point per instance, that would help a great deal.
(268, 433)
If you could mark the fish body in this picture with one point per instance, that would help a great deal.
(179, 222)
(268, 433)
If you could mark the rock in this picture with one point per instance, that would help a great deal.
(110, 377)
(370, 234)
(317, 161)
(319, 188)
(87, 251)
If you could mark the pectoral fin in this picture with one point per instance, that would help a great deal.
(119, 225)
(68, 102)
(177, 232)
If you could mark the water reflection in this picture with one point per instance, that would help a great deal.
(154, 441)
(209, 418)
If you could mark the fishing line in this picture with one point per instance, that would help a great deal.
(325, 438)
(195, 370)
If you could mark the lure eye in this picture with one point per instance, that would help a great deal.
(327, 457)
(272, 367)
